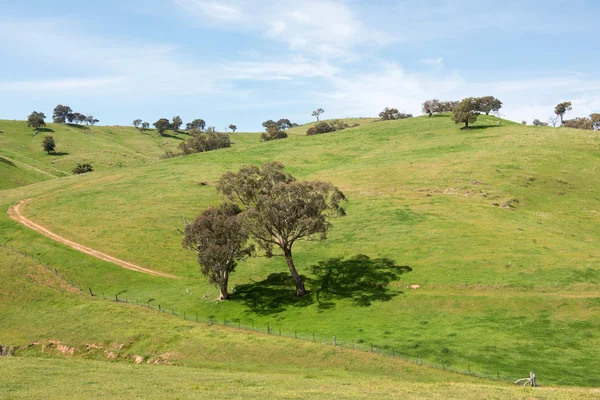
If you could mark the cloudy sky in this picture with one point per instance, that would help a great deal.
(243, 62)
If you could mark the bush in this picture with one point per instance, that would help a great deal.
(326, 127)
(83, 168)
(537, 122)
(273, 133)
(203, 141)
(392, 114)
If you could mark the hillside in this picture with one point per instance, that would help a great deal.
(82, 346)
(499, 225)
(22, 160)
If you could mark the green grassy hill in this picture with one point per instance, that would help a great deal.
(22, 160)
(499, 225)
(76, 346)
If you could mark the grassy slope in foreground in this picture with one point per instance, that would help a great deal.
(502, 290)
(22, 160)
(208, 362)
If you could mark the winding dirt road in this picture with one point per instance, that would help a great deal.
(14, 212)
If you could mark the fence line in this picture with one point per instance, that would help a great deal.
(334, 341)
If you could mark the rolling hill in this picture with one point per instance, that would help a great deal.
(498, 224)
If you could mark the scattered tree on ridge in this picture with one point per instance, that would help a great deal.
(48, 144)
(284, 124)
(553, 121)
(219, 238)
(562, 108)
(233, 127)
(589, 123)
(137, 123)
(90, 120)
(487, 104)
(279, 210)
(144, 127)
(317, 113)
(200, 142)
(60, 113)
(176, 124)
(537, 122)
(326, 127)
(35, 120)
(162, 125)
(466, 112)
(195, 124)
(392, 114)
(431, 106)
(273, 133)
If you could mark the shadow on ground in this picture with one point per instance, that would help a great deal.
(360, 279)
(5, 161)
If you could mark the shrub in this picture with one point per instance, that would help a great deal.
(203, 141)
(393, 114)
(273, 133)
(83, 168)
(326, 127)
(537, 122)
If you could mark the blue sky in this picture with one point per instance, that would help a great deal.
(244, 62)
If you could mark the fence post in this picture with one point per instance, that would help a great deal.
(116, 297)
(196, 317)
(239, 324)
(498, 374)
(183, 314)
(268, 329)
(279, 331)
(159, 309)
(334, 342)
(172, 311)
(353, 344)
(393, 352)
(469, 370)
(371, 347)
(420, 360)
(295, 334)
(313, 336)
(91, 294)
(126, 301)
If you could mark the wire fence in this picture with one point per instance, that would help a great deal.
(339, 342)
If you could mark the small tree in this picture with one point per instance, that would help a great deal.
(137, 123)
(284, 124)
(537, 122)
(317, 113)
(48, 144)
(90, 120)
(162, 125)
(219, 238)
(431, 106)
(553, 121)
(83, 168)
(487, 104)
(393, 114)
(273, 133)
(466, 112)
(195, 124)
(561, 109)
(233, 127)
(60, 113)
(279, 210)
(35, 120)
(145, 126)
(176, 124)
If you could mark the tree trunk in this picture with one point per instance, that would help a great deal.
(467, 125)
(224, 295)
(300, 290)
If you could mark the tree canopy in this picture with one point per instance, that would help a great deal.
(48, 144)
(466, 112)
(162, 125)
(60, 113)
(279, 210)
(561, 109)
(233, 128)
(219, 238)
(317, 113)
(176, 124)
(392, 114)
(35, 120)
(196, 124)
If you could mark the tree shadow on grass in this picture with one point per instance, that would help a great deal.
(361, 279)
(45, 130)
(59, 153)
(272, 295)
(8, 162)
(476, 127)
(171, 136)
(80, 127)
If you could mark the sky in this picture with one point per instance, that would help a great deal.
(244, 62)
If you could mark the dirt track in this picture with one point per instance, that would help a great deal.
(14, 213)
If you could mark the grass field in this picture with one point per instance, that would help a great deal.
(503, 290)
(95, 344)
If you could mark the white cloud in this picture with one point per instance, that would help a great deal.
(433, 62)
(216, 10)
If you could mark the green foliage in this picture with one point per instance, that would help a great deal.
(195, 124)
(273, 132)
(562, 108)
(60, 113)
(137, 123)
(488, 104)
(176, 124)
(204, 141)
(466, 112)
(233, 127)
(35, 120)
(280, 210)
(537, 122)
(317, 113)
(389, 114)
(435, 106)
(217, 235)
(326, 127)
(83, 168)
(48, 144)
(162, 125)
